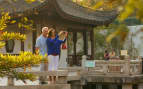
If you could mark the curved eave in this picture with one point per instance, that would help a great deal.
(83, 15)
(71, 11)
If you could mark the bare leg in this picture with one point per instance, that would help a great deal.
(54, 79)
(50, 78)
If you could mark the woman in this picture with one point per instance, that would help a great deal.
(106, 55)
(112, 54)
(54, 46)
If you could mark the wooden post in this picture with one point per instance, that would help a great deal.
(85, 43)
(127, 86)
(10, 81)
(34, 35)
(74, 41)
(92, 44)
(22, 45)
(22, 42)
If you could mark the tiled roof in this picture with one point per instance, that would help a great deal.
(65, 8)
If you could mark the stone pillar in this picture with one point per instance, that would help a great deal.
(127, 86)
(140, 86)
(84, 58)
(62, 80)
(10, 81)
(127, 65)
(76, 85)
(105, 68)
(98, 86)
(113, 86)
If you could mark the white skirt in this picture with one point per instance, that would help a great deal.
(53, 62)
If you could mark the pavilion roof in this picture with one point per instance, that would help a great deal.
(69, 10)
(65, 8)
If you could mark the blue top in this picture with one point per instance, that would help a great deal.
(54, 45)
(41, 44)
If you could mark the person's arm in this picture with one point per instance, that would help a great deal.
(63, 41)
(37, 46)
(104, 55)
(37, 50)
(60, 33)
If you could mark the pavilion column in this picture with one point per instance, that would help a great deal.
(85, 40)
(22, 42)
(34, 36)
(35, 33)
(92, 44)
(74, 48)
(127, 86)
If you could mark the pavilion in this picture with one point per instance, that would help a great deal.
(60, 14)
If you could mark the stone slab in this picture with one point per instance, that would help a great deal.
(50, 86)
(50, 73)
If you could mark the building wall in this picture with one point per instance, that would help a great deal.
(28, 43)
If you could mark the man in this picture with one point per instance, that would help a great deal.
(41, 48)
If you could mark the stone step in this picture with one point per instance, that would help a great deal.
(50, 86)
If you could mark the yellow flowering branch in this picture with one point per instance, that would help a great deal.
(4, 20)
(9, 63)
(12, 35)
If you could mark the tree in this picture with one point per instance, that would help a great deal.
(9, 63)
(101, 33)
(117, 44)
(119, 33)
(125, 8)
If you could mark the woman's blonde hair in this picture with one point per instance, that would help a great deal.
(50, 32)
